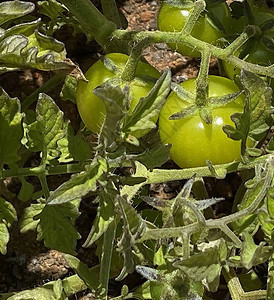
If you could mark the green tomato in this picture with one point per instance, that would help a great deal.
(91, 108)
(173, 18)
(193, 141)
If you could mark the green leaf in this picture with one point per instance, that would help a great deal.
(11, 129)
(40, 293)
(4, 238)
(7, 212)
(43, 134)
(22, 46)
(68, 91)
(80, 184)
(58, 290)
(252, 254)
(155, 157)
(256, 119)
(27, 222)
(26, 190)
(260, 103)
(223, 100)
(7, 217)
(113, 98)
(105, 215)
(204, 266)
(73, 147)
(56, 227)
(82, 270)
(133, 227)
(50, 8)
(10, 10)
(147, 110)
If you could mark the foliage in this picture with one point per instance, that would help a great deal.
(179, 246)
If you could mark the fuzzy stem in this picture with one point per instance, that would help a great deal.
(93, 22)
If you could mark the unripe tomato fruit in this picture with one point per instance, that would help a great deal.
(91, 108)
(193, 141)
(173, 18)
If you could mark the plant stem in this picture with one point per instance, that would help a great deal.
(193, 17)
(190, 41)
(202, 79)
(93, 22)
(236, 290)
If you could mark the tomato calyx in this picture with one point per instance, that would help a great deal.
(204, 109)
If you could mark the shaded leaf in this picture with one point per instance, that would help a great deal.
(27, 222)
(105, 216)
(56, 227)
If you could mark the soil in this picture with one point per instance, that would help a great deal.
(29, 263)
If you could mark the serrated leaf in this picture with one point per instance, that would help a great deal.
(113, 98)
(252, 254)
(260, 96)
(10, 10)
(73, 147)
(204, 266)
(10, 128)
(22, 46)
(27, 222)
(7, 212)
(242, 126)
(148, 108)
(155, 157)
(105, 216)
(7, 217)
(250, 196)
(133, 227)
(50, 8)
(68, 91)
(79, 184)
(82, 271)
(47, 130)
(56, 227)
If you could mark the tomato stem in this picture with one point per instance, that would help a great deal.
(202, 79)
(239, 41)
(93, 22)
(193, 17)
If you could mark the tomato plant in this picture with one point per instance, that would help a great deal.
(91, 107)
(258, 49)
(172, 17)
(193, 141)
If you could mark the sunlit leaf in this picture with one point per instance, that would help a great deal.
(10, 128)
